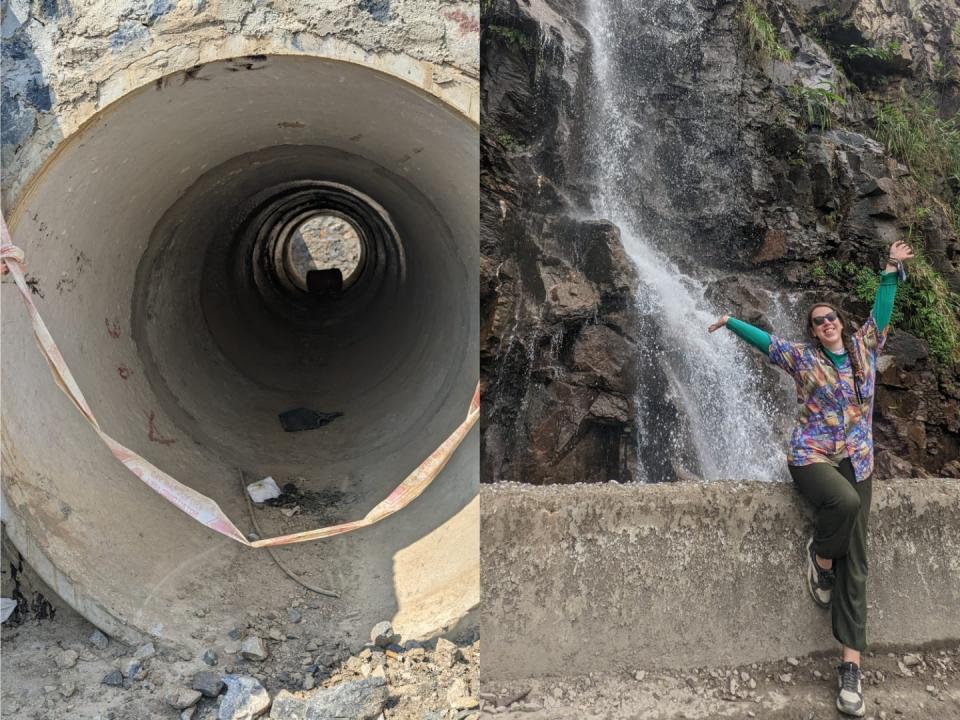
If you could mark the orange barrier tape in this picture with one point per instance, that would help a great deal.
(197, 505)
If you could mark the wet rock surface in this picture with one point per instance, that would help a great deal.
(734, 182)
(553, 288)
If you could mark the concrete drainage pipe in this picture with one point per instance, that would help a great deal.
(175, 241)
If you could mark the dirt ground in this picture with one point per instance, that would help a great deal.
(54, 666)
(55, 663)
(901, 685)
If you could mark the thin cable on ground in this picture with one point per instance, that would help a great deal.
(288, 573)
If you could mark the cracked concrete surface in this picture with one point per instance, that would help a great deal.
(590, 578)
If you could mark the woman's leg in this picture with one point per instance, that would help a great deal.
(843, 507)
(837, 505)
(850, 590)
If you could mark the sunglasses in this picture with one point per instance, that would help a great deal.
(821, 319)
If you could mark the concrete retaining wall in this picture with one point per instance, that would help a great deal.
(579, 579)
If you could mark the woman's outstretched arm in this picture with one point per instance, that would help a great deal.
(883, 302)
(790, 356)
(753, 335)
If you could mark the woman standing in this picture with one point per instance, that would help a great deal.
(830, 457)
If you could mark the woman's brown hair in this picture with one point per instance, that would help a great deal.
(858, 374)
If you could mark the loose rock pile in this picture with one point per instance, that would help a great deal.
(384, 679)
(270, 668)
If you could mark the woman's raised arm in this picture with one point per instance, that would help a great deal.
(883, 301)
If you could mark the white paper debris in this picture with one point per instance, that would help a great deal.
(7, 606)
(263, 490)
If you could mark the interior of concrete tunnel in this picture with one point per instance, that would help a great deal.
(177, 244)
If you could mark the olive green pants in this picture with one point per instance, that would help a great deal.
(842, 508)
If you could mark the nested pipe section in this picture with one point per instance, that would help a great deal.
(167, 240)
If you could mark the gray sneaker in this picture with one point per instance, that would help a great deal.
(850, 698)
(819, 581)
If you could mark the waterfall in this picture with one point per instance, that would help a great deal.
(712, 421)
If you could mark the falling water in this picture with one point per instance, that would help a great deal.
(719, 426)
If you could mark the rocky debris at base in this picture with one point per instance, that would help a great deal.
(253, 648)
(360, 699)
(208, 683)
(384, 679)
(791, 689)
(265, 667)
(246, 699)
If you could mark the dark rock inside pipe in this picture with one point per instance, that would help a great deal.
(302, 418)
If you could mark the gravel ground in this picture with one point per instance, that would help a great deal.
(901, 685)
(57, 666)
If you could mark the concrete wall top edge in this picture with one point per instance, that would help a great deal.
(680, 490)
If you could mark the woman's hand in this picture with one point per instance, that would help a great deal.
(900, 251)
(718, 324)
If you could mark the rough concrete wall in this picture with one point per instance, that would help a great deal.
(64, 61)
(609, 578)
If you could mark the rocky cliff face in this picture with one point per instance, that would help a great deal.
(557, 312)
(763, 178)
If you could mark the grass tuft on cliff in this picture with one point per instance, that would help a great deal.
(761, 35)
(928, 144)
(818, 104)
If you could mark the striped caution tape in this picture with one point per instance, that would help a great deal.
(195, 504)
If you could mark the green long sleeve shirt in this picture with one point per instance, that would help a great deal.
(882, 310)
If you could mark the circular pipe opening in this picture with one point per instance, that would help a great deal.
(323, 254)
(172, 279)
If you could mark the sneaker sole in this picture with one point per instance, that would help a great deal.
(811, 583)
(853, 713)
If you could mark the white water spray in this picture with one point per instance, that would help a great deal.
(725, 425)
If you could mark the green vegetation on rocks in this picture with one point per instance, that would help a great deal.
(512, 35)
(818, 104)
(761, 35)
(508, 141)
(928, 144)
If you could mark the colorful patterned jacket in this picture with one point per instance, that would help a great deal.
(832, 421)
